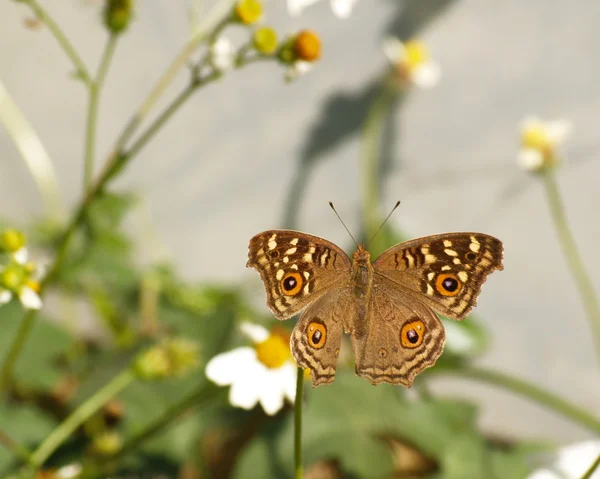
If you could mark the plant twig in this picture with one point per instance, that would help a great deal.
(592, 469)
(15, 447)
(527, 390)
(61, 38)
(199, 397)
(572, 255)
(95, 88)
(79, 416)
(298, 423)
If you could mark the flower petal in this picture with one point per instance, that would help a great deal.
(530, 159)
(271, 393)
(21, 255)
(558, 131)
(5, 296)
(342, 8)
(427, 75)
(287, 374)
(29, 298)
(394, 49)
(255, 332)
(225, 368)
(245, 392)
(222, 53)
(296, 7)
(572, 462)
(458, 340)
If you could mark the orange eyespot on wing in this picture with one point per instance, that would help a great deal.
(291, 284)
(411, 334)
(316, 334)
(448, 284)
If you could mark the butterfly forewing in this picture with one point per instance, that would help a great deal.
(296, 268)
(444, 271)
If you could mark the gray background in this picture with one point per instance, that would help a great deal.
(220, 171)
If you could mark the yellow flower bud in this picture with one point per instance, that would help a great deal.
(12, 240)
(307, 46)
(107, 444)
(172, 357)
(265, 40)
(117, 15)
(248, 11)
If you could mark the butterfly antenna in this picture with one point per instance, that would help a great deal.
(336, 214)
(385, 221)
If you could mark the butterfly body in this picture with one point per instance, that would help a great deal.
(388, 306)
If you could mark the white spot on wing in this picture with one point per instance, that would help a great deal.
(463, 276)
(294, 242)
(447, 243)
(446, 268)
(429, 290)
(291, 251)
(450, 252)
(279, 274)
(272, 244)
(307, 257)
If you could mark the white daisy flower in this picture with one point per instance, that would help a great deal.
(412, 62)
(297, 69)
(340, 8)
(571, 462)
(265, 373)
(222, 54)
(540, 141)
(21, 278)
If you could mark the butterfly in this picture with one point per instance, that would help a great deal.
(388, 306)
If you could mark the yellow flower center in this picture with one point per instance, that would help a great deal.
(535, 137)
(35, 285)
(307, 46)
(248, 11)
(273, 352)
(13, 277)
(416, 54)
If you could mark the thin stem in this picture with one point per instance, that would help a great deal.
(63, 41)
(95, 87)
(569, 247)
(197, 398)
(530, 391)
(298, 423)
(214, 22)
(15, 447)
(369, 157)
(15, 350)
(80, 415)
(592, 469)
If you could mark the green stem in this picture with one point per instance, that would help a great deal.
(13, 446)
(200, 397)
(530, 391)
(63, 41)
(369, 158)
(298, 423)
(79, 416)
(92, 118)
(569, 247)
(592, 469)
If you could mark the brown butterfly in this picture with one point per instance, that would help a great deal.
(387, 306)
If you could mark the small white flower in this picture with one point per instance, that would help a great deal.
(540, 141)
(412, 62)
(340, 8)
(265, 374)
(69, 472)
(297, 69)
(222, 54)
(571, 462)
(23, 280)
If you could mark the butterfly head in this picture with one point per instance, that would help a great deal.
(361, 256)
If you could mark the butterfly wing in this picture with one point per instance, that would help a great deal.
(315, 341)
(296, 268)
(444, 271)
(403, 337)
